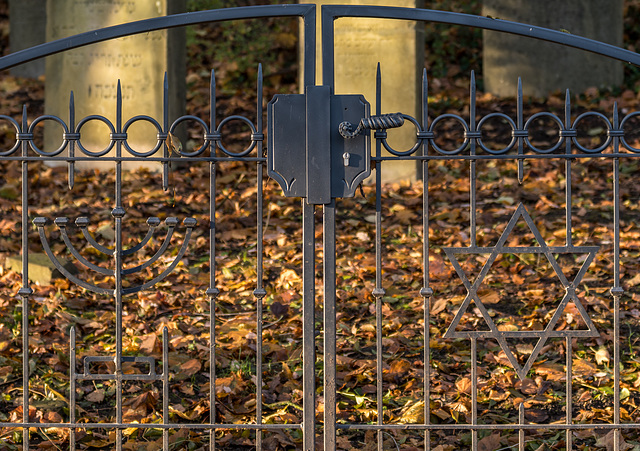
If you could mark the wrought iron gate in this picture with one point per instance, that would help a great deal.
(319, 150)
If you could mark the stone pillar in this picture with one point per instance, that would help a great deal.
(545, 67)
(92, 72)
(360, 43)
(27, 23)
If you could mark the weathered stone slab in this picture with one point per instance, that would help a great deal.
(27, 23)
(41, 269)
(360, 43)
(92, 72)
(543, 66)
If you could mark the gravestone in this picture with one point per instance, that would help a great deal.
(543, 66)
(27, 22)
(360, 43)
(41, 269)
(92, 72)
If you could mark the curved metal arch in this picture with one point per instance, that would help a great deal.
(160, 23)
(331, 12)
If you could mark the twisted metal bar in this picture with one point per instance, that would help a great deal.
(381, 122)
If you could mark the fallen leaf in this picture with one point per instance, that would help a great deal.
(608, 441)
(489, 443)
(96, 396)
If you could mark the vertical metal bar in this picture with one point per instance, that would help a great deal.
(72, 143)
(309, 24)
(259, 292)
(378, 291)
(165, 129)
(568, 161)
(569, 243)
(25, 291)
(426, 292)
(472, 163)
(521, 431)
(569, 393)
(165, 387)
(474, 392)
(212, 291)
(309, 268)
(329, 263)
(118, 213)
(308, 326)
(72, 387)
(329, 273)
(520, 123)
(328, 77)
(617, 290)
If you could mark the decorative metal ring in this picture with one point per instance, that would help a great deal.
(147, 119)
(17, 144)
(513, 138)
(575, 127)
(623, 141)
(415, 147)
(465, 127)
(203, 147)
(50, 118)
(111, 129)
(557, 120)
(246, 151)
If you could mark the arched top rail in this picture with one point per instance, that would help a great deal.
(307, 12)
(329, 14)
(332, 12)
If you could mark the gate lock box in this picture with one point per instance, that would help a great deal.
(313, 150)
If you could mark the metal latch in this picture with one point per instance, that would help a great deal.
(306, 153)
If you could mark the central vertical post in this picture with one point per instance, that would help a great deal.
(329, 272)
(329, 259)
(308, 326)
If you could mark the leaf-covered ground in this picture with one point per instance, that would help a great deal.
(520, 291)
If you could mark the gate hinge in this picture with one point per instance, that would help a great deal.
(306, 153)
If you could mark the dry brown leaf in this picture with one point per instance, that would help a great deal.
(439, 305)
(489, 443)
(527, 386)
(190, 367)
(148, 344)
(608, 441)
(95, 396)
(583, 368)
(464, 385)
(412, 413)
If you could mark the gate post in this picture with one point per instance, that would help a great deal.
(308, 327)
(329, 275)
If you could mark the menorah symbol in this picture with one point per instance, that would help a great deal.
(118, 290)
(83, 224)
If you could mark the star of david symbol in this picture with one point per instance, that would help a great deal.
(548, 251)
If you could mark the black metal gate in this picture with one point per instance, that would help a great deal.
(319, 150)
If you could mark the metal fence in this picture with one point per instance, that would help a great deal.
(507, 261)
